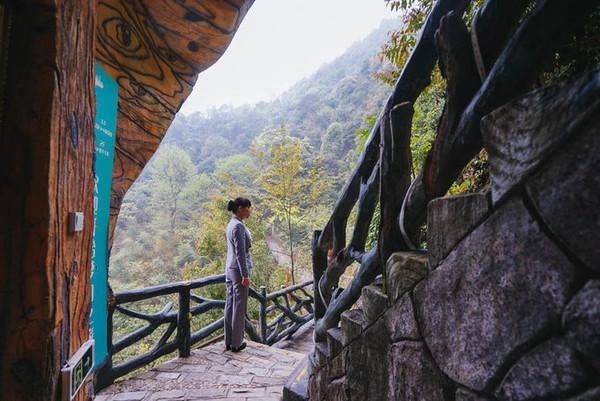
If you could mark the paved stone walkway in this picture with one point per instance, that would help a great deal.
(211, 373)
(301, 342)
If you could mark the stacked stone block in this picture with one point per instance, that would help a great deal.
(505, 305)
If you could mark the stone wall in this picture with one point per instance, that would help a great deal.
(505, 304)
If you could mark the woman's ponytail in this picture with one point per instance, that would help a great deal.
(231, 206)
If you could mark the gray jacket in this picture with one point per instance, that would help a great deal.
(239, 242)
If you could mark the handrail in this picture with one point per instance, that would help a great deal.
(364, 184)
(295, 310)
(139, 294)
(502, 36)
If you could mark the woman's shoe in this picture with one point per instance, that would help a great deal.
(238, 349)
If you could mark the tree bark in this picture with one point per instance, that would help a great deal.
(48, 143)
(395, 166)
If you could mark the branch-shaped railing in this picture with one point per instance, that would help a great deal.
(280, 314)
(502, 41)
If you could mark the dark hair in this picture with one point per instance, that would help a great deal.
(233, 205)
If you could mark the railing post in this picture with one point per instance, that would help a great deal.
(104, 374)
(319, 260)
(183, 323)
(262, 318)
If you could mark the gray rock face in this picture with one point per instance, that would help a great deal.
(337, 366)
(376, 348)
(566, 193)
(404, 271)
(413, 374)
(549, 370)
(449, 219)
(335, 390)
(321, 353)
(356, 370)
(497, 291)
(351, 322)
(334, 341)
(400, 320)
(315, 383)
(374, 302)
(521, 134)
(581, 322)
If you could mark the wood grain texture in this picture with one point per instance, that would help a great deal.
(155, 49)
(48, 143)
(395, 163)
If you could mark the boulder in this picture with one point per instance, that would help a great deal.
(334, 341)
(566, 194)
(357, 372)
(374, 303)
(336, 390)
(500, 289)
(400, 320)
(522, 134)
(413, 374)
(450, 219)
(404, 271)
(376, 348)
(581, 322)
(351, 323)
(550, 370)
(321, 353)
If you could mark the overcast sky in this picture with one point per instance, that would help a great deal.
(280, 42)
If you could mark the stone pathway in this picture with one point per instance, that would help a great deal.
(211, 373)
(301, 342)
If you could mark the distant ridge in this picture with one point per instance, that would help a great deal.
(342, 91)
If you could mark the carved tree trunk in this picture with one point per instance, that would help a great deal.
(395, 165)
(48, 144)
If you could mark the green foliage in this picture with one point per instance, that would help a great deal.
(287, 182)
(339, 92)
(577, 52)
(362, 134)
(240, 167)
(428, 110)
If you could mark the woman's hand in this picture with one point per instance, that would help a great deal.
(245, 281)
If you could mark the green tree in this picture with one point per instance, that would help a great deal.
(171, 173)
(288, 184)
(239, 166)
(212, 246)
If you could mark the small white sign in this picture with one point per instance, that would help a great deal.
(75, 221)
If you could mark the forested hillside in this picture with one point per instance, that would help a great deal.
(172, 220)
(342, 91)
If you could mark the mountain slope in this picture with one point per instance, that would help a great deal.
(342, 91)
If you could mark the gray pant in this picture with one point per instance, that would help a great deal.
(235, 312)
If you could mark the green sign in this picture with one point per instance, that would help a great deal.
(77, 370)
(105, 127)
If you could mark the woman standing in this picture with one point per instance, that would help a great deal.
(237, 273)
